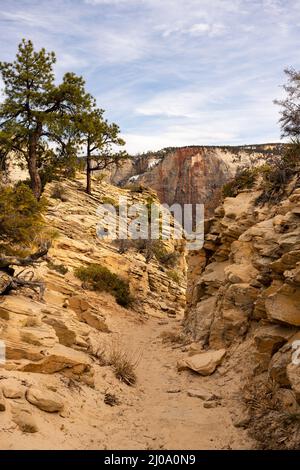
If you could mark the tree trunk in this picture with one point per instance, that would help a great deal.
(88, 171)
(36, 184)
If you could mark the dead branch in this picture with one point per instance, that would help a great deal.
(9, 281)
(31, 260)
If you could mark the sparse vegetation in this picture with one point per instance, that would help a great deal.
(111, 399)
(243, 180)
(123, 365)
(273, 427)
(173, 275)
(279, 172)
(21, 219)
(172, 337)
(100, 278)
(135, 188)
(109, 200)
(165, 257)
(59, 268)
(58, 192)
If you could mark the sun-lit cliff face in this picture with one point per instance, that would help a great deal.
(243, 296)
(190, 174)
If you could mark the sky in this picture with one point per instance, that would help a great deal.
(169, 72)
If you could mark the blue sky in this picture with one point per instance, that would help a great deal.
(169, 72)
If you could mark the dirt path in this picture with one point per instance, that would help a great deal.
(163, 415)
(156, 413)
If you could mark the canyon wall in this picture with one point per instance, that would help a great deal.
(244, 296)
(190, 175)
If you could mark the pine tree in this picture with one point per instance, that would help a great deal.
(99, 139)
(36, 111)
(290, 105)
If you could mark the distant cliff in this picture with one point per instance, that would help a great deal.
(190, 174)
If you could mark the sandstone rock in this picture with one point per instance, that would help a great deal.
(211, 404)
(293, 375)
(287, 400)
(284, 306)
(42, 335)
(25, 420)
(204, 363)
(2, 402)
(198, 319)
(88, 314)
(61, 359)
(12, 388)
(44, 400)
(278, 365)
(269, 339)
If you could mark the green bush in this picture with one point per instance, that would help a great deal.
(59, 268)
(109, 200)
(244, 180)
(165, 257)
(100, 278)
(279, 172)
(21, 219)
(135, 188)
(173, 275)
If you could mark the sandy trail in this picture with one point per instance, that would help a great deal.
(163, 415)
(156, 413)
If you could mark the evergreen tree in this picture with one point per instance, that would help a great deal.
(36, 111)
(290, 105)
(99, 140)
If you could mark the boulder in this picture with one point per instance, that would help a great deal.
(284, 306)
(44, 400)
(12, 388)
(278, 365)
(87, 314)
(58, 359)
(269, 339)
(293, 374)
(24, 419)
(204, 363)
(287, 400)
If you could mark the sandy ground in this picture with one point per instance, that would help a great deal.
(156, 413)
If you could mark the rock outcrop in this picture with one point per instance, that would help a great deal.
(190, 175)
(244, 296)
(58, 345)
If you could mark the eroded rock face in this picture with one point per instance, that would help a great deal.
(188, 175)
(251, 273)
(248, 290)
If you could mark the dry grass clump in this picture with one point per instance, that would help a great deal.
(172, 337)
(123, 364)
(111, 399)
(59, 192)
(272, 426)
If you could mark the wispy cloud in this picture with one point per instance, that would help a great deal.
(169, 72)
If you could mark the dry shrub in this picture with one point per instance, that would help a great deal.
(123, 364)
(111, 399)
(172, 337)
(270, 425)
(58, 192)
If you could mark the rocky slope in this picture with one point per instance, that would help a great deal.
(54, 376)
(190, 175)
(244, 300)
